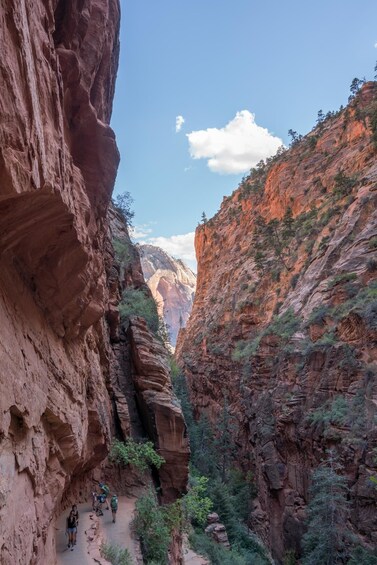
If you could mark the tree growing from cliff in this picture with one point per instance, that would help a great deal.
(326, 539)
(123, 204)
(356, 84)
(295, 137)
(203, 219)
(140, 455)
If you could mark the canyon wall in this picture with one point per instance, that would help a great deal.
(284, 327)
(172, 285)
(59, 284)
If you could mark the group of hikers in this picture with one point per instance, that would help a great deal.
(97, 501)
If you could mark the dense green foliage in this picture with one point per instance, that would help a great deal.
(154, 524)
(283, 326)
(152, 528)
(115, 554)
(325, 541)
(220, 556)
(336, 412)
(196, 505)
(123, 251)
(231, 492)
(135, 302)
(140, 455)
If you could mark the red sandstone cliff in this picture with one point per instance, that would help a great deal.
(284, 321)
(172, 285)
(59, 286)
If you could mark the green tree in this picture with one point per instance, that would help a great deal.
(140, 455)
(356, 84)
(151, 526)
(295, 137)
(123, 203)
(224, 444)
(325, 540)
(196, 504)
(204, 455)
(136, 302)
(320, 117)
(203, 219)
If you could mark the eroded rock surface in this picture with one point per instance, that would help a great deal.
(58, 161)
(161, 412)
(284, 321)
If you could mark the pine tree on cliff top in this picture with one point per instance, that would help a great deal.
(326, 539)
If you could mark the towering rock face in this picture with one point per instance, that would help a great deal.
(284, 321)
(59, 286)
(58, 161)
(144, 401)
(172, 285)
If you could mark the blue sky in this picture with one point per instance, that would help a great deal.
(216, 63)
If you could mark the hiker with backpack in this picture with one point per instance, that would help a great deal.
(114, 506)
(105, 492)
(71, 529)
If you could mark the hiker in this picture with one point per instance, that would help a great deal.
(76, 514)
(105, 491)
(114, 506)
(100, 500)
(71, 529)
(94, 501)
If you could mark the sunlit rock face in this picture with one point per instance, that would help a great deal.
(172, 284)
(284, 322)
(58, 161)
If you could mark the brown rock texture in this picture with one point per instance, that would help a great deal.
(63, 390)
(145, 405)
(284, 321)
(58, 161)
(172, 284)
(160, 410)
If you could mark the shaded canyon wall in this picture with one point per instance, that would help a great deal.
(285, 318)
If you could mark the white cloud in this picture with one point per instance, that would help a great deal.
(179, 121)
(179, 246)
(235, 148)
(375, 45)
(140, 232)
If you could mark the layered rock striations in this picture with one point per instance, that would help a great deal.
(145, 405)
(172, 285)
(59, 285)
(284, 321)
(58, 161)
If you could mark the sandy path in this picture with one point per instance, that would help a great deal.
(119, 533)
(79, 556)
(190, 557)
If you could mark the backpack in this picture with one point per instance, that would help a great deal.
(105, 489)
(114, 503)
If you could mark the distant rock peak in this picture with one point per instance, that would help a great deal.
(172, 284)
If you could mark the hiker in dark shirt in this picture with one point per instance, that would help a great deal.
(71, 529)
(114, 506)
(76, 513)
